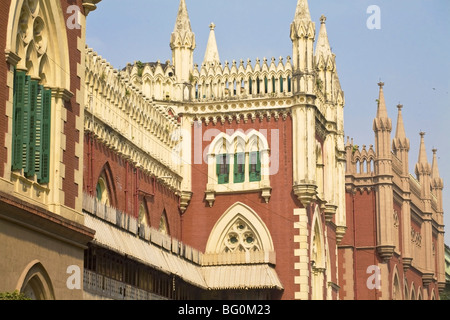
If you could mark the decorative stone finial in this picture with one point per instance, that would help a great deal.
(400, 107)
(422, 134)
(381, 84)
(323, 19)
(212, 26)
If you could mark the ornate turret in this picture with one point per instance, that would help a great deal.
(303, 32)
(401, 147)
(382, 126)
(325, 62)
(183, 44)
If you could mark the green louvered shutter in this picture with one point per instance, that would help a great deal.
(38, 134)
(26, 122)
(30, 169)
(239, 165)
(45, 137)
(255, 167)
(222, 168)
(19, 102)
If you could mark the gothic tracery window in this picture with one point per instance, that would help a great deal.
(32, 101)
(240, 238)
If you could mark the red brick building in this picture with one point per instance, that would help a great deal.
(219, 181)
(393, 248)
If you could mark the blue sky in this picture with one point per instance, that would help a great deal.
(410, 54)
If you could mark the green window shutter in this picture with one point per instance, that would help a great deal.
(273, 84)
(26, 121)
(255, 167)
(31, 148)
(239, 165)
(281, 85)
(223, 168)
(38, 134)
(45, 137)
(266, 85)
(19, 101)
(250, 86)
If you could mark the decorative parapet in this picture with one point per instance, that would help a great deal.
(124, 119)
(243, 81)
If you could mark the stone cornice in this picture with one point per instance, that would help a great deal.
(12, 58)
(128, 150)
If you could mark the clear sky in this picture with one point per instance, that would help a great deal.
(410, 53)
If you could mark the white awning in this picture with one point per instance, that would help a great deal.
(123, 242)
(258, 276)
(248, 276)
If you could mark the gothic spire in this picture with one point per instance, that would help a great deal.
(422, 166)
(400, 140)
(382, 110)
(437, 182)
(183, 23)
(212, 53)
(302, 11)
(323, 44)
(382, 121)
(182, 35)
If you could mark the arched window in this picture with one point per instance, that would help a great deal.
(238, 163)
(240, 229)
(163, 224)
(143, 219)
(102, 191)
(396, 292)
(36, 283)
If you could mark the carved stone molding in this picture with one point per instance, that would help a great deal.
(330, 212)
(12, 58)
(427, 279)
(90, 5)
(340, 233)
(305, 193)
(406, 263)
(386, 251)
(185, 199)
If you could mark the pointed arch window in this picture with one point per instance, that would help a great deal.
(143, 220)
(238, 163)
(102, 191)
(163, 224)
